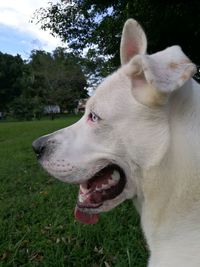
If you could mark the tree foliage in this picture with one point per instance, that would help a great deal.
(45, 79)
(98, 24)
(58, 78)
(12, 78)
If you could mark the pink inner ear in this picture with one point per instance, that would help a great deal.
(131, 50)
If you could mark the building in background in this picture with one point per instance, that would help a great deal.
(81, 105)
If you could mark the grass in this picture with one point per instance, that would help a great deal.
(37, 226)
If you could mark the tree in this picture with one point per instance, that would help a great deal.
(22, 108)
(13, 79)
(98, 24)
(57, 78)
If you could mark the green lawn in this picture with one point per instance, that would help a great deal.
(37, 226)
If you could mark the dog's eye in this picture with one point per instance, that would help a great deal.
(93, 117)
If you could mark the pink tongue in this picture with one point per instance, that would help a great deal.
(85, 218)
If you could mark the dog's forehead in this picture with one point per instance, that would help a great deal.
(113, 91)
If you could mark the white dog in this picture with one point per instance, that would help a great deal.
(139, 139)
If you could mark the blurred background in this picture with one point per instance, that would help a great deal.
(53, 54)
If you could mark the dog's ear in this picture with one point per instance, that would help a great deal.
(155, 76)
(133, 41)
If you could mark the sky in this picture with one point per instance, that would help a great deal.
(17, 34)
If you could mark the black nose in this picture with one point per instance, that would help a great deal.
(39, 146)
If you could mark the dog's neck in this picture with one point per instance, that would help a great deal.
(171, 192)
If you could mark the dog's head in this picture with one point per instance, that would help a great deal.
(124, 129)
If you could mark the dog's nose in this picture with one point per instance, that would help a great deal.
(39, 146)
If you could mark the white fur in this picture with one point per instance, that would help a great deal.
(149, 126)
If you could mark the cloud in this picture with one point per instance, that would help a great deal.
(17, 15)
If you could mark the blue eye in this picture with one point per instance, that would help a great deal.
(93, 117)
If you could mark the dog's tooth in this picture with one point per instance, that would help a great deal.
(105, 186)
(111, 182)
(115, 176)
(98, 189)
(83, 188)
(102, 187)
(81, 198)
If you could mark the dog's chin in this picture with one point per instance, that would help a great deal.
(102, 192)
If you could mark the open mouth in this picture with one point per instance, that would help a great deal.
(106, 184)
